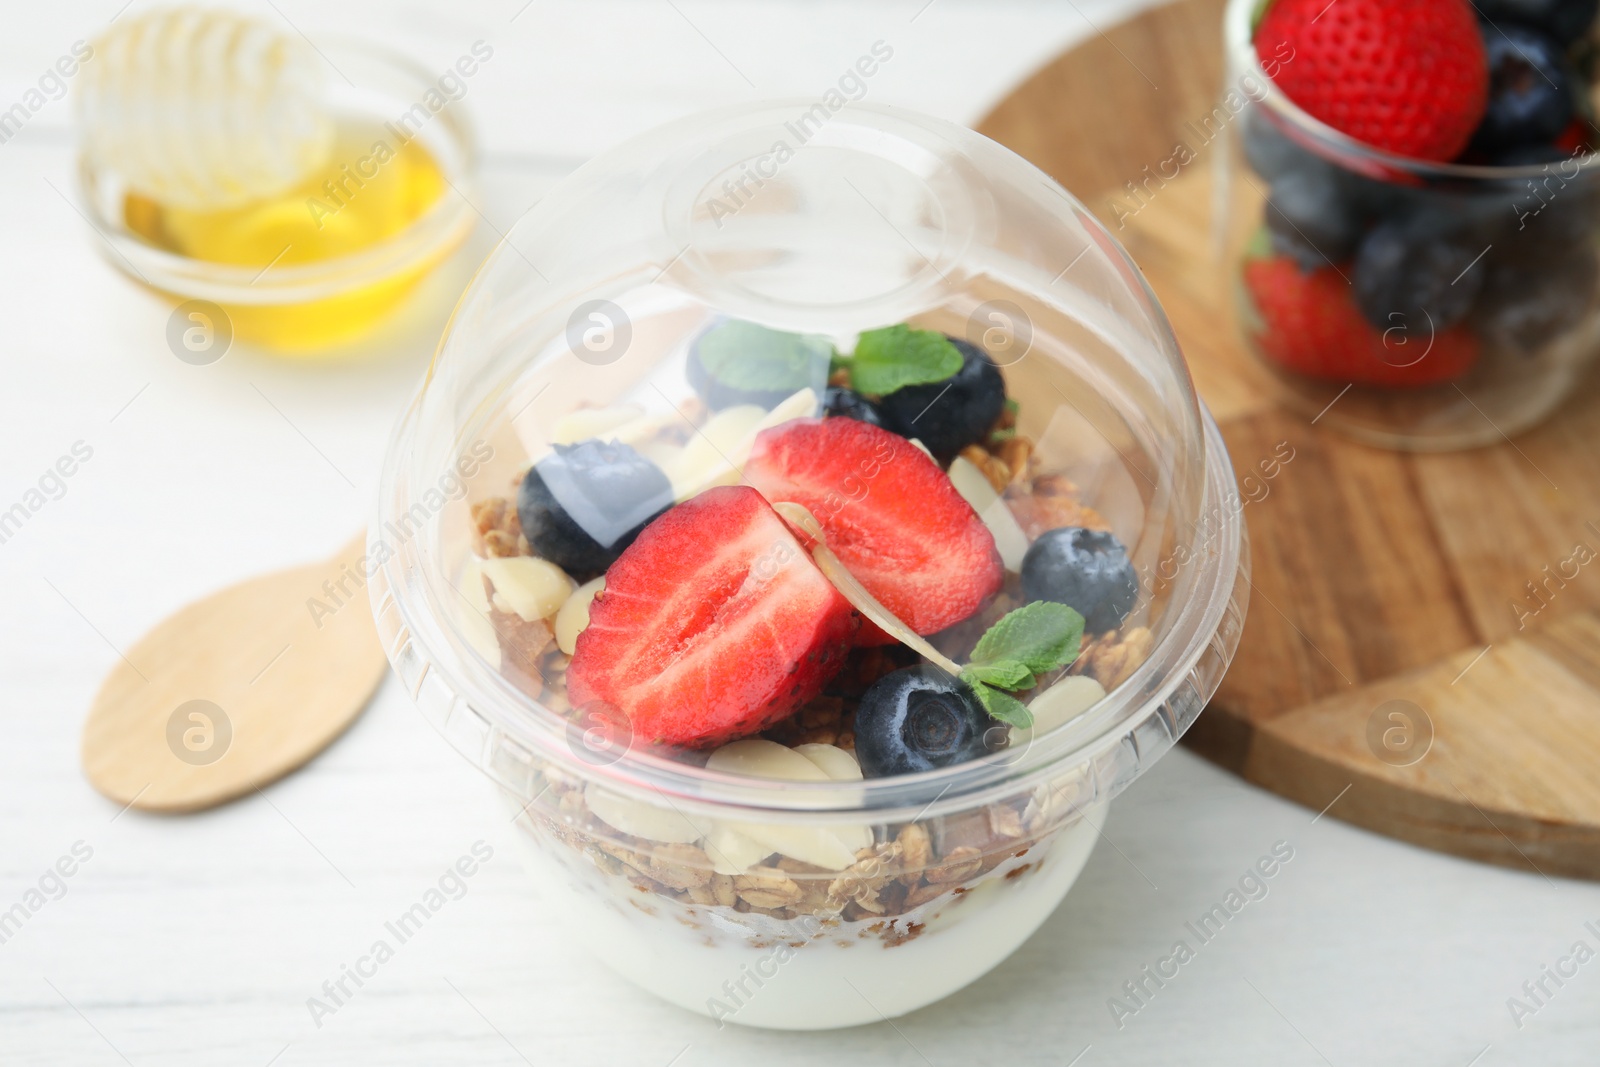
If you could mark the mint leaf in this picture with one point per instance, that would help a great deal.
(752, 358)
(1003, 706)
(1042, 636)
(1006, 674)
(897, 356)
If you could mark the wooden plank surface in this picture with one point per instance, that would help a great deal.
(1378, 576)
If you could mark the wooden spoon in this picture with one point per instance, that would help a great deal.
(236, 690)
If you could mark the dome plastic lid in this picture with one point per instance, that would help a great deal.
(742, 344)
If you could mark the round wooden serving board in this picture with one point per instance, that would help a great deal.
(1378, 576)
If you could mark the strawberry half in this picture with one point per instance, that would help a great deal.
(1310, 324)
(890, 515)
(1407, 76)
(713, 625)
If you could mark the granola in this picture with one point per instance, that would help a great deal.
(522, 644)
(1051, 502)
(498, 528)
(1112, 657)
(905, 878)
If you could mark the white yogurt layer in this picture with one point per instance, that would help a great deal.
(794, 975)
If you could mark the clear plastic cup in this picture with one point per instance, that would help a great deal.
(795, 898)
(1499, 318)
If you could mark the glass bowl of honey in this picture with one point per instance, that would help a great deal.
(319, 265)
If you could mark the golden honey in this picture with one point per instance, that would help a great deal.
(374, 186)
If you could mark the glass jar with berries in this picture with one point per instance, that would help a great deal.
(1420, 270)
(809, 523)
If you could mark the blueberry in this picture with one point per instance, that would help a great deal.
(1526, 306)
(1531, 84)
(948, 416)
(583, 504)
(1316, 211)
(1087, 570)
(1313, 218)
(1565, 20)
(1422, 271)
(1271, 154)
(919, 719)
(849, 404)
(1377, 199)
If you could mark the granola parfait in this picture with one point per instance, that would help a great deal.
(809, 524)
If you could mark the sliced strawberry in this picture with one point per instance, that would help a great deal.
(1310, 324)
(713, 625)
(890, 515)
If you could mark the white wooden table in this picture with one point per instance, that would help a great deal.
(199, 940)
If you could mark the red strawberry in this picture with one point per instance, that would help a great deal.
(1311, 325)
(713, 625)
(1407, 76)
(890, 515)
(1574, 140)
